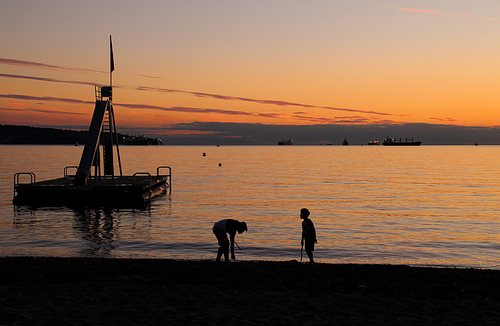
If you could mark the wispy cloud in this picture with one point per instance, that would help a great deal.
(45, 79)
(438, 13)
(210, 95)
(197, 110)
(44, 99)
(57, 112)
(338, 120)
(153, 77)
(184, 109)
(259, 101)
(412, 9)
(32, 64)
(139, 106)
(444, 119)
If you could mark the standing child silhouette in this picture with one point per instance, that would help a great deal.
(308, 234)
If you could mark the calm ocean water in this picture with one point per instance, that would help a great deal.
(428, 205)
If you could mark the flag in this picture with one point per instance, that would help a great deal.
(112, 67)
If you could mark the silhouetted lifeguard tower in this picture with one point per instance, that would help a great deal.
(102, 187)
(102, 131)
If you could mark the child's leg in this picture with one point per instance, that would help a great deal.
(310, 255)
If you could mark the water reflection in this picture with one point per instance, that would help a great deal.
(426, 206)
(23, 215)
(85, 231)
(98, 227)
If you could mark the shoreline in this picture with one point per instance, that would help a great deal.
(102, 291)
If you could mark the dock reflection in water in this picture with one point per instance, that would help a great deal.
(98, 228)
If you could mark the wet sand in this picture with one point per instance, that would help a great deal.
(81, 291)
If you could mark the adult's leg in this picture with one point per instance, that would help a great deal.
(225, 247)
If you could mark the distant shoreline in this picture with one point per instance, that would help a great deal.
(91, 291)
(266, 135)
(26, 135)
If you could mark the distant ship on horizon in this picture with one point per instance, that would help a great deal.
(285, 142)
(140, 140)
(399, 142)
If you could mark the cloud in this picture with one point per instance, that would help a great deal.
(412, 9)
(209, 95)
(298, 116)
(42, 111)
(337, 120)
(438, 13)
(259, 101)
(144, 106)
(444, 119)
(45, 79)
(183, 109)
(153, 77)
(44, 99)
(31, 64)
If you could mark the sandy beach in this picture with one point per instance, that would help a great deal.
(93, 291)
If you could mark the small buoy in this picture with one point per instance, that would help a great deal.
(220, 164)
(204, 154)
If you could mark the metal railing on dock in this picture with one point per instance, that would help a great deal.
(18, 175)
(66, 175)
(169, 176)
(134, 180)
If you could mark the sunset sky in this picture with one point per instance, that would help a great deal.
(258, 62)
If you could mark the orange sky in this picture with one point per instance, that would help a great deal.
(278, 62)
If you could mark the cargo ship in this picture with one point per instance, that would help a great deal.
(140, 140)
(399, 142)
(285, 142)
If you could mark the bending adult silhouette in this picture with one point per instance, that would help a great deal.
(221, 229)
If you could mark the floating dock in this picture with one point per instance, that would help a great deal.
(125, 191)
(95, 181)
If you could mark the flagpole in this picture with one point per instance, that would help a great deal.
(112, 62)
(112, 114)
